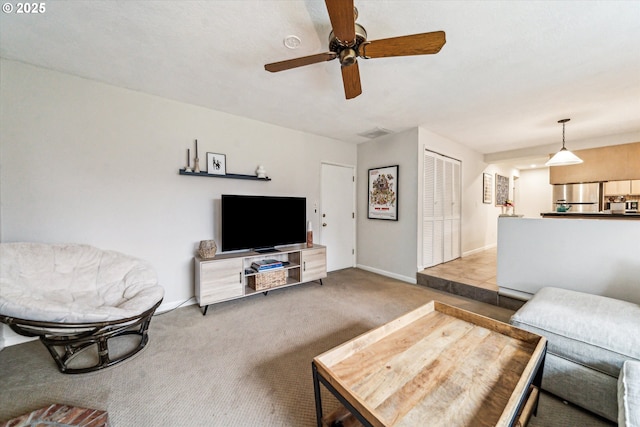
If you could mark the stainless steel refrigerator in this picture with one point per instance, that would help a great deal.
(581, 197)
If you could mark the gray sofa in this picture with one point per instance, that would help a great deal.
(629, 395)
(590, 338)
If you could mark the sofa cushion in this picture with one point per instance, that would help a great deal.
(629, 395)
(592, 330)
(73, 283)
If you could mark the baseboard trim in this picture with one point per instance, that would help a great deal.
(388, 274)
(512, 293)
(10, 338)
(473, 251)
(168, 306)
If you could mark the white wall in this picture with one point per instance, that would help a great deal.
(576, 254)
(85, 162)
(536, 194)
(389, 247)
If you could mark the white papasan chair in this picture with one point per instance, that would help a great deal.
(76, 298)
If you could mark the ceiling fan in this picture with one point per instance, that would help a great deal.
(348, 41)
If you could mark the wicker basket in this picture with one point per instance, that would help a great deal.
(267, 279)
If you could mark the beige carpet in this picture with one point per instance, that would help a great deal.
(246, 363)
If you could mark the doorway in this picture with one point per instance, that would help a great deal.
(337, 215)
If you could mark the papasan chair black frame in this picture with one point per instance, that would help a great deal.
(66, 340)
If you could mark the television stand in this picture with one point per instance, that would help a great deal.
(229, 276)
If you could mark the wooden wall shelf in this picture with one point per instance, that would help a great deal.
(229, 175)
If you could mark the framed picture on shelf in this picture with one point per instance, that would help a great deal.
(502, 189)
(383, 193)
(487, 188)
(216, 164)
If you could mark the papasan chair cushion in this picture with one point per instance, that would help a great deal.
(48, 287)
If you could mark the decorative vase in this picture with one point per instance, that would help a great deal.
(207, 249)
(309, 235)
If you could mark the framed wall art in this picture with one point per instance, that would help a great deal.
(487, 188)
(216, 164)
(502, 190)
(383, 193)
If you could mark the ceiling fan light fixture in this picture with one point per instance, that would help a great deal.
(348, 57)
(563, 157)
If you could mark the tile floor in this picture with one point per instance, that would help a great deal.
(472, 276)
(477, 269)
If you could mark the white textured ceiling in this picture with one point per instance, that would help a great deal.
(508, 72)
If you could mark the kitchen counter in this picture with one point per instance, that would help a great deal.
(589, 215)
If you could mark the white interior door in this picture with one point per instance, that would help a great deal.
(337, 209)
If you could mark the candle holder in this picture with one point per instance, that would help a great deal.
(196, 161)
(188, 167)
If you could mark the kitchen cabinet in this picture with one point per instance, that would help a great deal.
(635, 187)
(617, 188)
(611, 163)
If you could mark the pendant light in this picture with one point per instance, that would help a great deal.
(564, 156)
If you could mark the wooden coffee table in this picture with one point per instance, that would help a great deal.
(438, 366)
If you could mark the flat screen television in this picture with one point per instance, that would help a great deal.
(262, 222)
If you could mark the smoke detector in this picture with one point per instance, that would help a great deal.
(292, 42)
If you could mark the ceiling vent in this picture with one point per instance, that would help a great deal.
(375, 133)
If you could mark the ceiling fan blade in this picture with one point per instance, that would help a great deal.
(300, 62)
(342, 16)
(416, 44)
(351, 80)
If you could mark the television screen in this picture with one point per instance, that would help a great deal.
(262, 222)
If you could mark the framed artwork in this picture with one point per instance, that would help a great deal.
(383, 193)
(502, 189)
(487, 188)
(216, 164)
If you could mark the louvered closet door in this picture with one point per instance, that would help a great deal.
(428, 210)
(441, 209)
(438, 218)
(447, 203)
(456, 211)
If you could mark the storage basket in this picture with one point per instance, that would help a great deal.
(267, 279)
